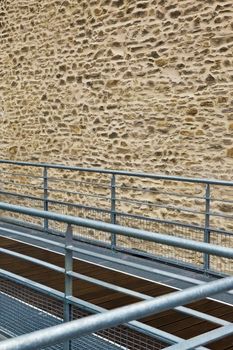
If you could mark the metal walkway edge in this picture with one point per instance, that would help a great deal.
(170, 321)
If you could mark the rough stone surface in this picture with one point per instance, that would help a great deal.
(143, 84)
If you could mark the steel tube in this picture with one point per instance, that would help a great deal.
(16, 184)
(108, 285)
(33, 260)
(68, 281)
(125, 231)
(90, 324)
(121, 172)
(14, 194)
(141, 267)
(113, 209)
(207, 225)
(28, 235)
(133, 216)
(46, 195)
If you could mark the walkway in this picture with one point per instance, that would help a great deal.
(170, 321)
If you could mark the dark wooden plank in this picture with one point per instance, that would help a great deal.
(225, 343)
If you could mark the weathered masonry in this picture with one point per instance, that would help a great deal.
(121, 84)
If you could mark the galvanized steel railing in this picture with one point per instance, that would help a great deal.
(91, 324)
(199, 209)
(122, 315)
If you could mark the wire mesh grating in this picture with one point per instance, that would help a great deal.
(24, 310)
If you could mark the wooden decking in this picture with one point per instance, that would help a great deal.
(170, 321)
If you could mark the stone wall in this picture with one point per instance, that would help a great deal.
(145, 84)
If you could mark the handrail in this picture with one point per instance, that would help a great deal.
(125, 231)
(120, 213)
(122, 172)
(32, 260)
(200, 212)
(108, 319)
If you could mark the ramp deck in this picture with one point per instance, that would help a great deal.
(170, 321)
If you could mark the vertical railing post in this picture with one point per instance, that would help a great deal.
(207, 225)
(113, 209)
(68, 280)
(45, 188)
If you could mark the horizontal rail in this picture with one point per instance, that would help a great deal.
(167, 222)
(119, 213)
(149, 190)
(125, 231)
(15, 194)
(89, 183)
(80, 194)
(31, 236)
(121, 172)
(122, 214)
(152, 204)
(33, 260)
(90, 324)
(141, 267)
(101, 256)
(21, 174)
(102, 210)
(17, 184)
(32, 284)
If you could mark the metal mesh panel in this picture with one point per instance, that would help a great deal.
(24, 202)
(220, 264)
(160, 250)
(221, 207)
(168, 200)
(24, 310)
(29, 296)
(17, 185)
(131, 340)
(18, 318)
(81, 232)
(124, 337)
(78, 186)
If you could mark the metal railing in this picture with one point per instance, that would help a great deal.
(77, 328)
(199, 209)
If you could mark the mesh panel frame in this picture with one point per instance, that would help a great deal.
(24, 310)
